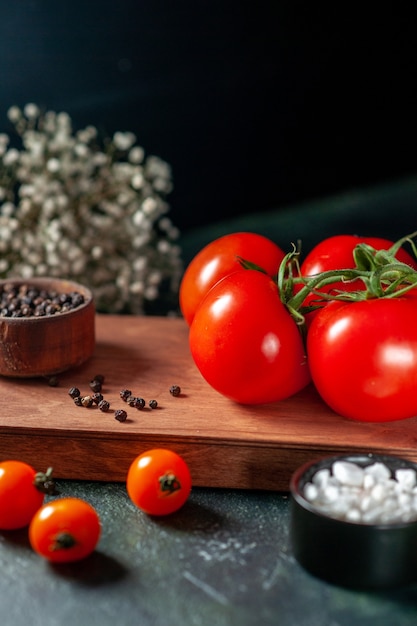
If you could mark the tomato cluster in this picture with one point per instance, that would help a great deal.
(357, 343)
(67, 529)
(62, 530)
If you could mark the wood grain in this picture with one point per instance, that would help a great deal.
(225, 444)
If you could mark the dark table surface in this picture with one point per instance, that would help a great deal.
(225, 558)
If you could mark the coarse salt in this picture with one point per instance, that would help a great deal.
(371, 494)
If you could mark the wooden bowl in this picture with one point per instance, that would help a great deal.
(42, 346)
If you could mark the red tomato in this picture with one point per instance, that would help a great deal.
(245, 343)
(220, 258)
(363, 358)
(158, 482)
(19, 497)
(65, 530)
(336, 253)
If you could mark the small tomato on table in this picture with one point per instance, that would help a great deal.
(158, 481)
(65, 530)
(22, 492)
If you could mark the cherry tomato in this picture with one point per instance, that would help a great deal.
(220, 258)
(245, 343)
(65, 530)
(336, 253)
(363, 358)
(19, 497)
(158, 481)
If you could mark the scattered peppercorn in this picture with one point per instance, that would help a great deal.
(77, 400)
(87, 401)
(153, 404)
(139, 403)
(125, 394)
(74, 392)
(97, 397)
(120, 415)
(53, 381)
(99, 377)
(104, 405)
(175, 390)
(95, 385)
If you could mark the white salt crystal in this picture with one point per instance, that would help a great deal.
(348, 473)
(353, 515)
(378, 492)
(321, 477)
(330, 493)
(368, 481)
(406, 478)
(368, 495)
(378, 470)
(311, 492)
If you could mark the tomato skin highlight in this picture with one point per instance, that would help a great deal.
(245, 343)
(218, 259)
(19, 498)
(363, 358)
(158, 482)
(65, 530)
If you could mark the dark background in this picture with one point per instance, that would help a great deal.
(256, 105)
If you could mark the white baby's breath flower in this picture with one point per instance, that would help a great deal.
(124, 141)
(136, 155)
(14, 114)
(53, 165)
(11, 157)
(8, 209)
(89, 209)
(137, 180)
(31, 110)
(149, 205)
(97, 252)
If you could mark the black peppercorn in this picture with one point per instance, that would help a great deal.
(104, 406)
(97, 397)
(74, 392)
(87, 401)
(99, 377)
(125, 394)
(153, 404)
(120, 415)
(139, 403)
(95, 385)
(77, 400)
(175, 390)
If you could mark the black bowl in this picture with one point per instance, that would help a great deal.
(353, 555)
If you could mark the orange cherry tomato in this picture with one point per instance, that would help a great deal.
(159, 481)
(65, 530)
(19, 496)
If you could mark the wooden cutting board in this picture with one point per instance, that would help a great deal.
(225, 444)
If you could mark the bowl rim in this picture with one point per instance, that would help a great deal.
(48, 282)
